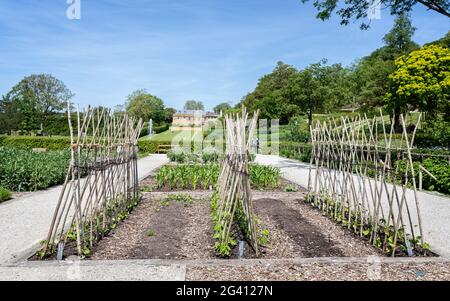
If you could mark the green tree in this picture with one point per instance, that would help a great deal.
(357, 10)
(270, 96)
(319, 87)
(369, 77)
(10, 116)
(194, 105)
(222, 107)
(38, 96)
(141, 104)
(421, 81)
(169, 114)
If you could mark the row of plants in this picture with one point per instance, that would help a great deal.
(223, 248)
(205, 176)
(25, 170)
(383, 238)
(187, 176)
(180, 156)
(118, 210)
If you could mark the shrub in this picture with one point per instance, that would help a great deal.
(151, 146)
(30, 142)
(297, 151)
(161, 128)
(5, 194)
(297, 129)
(438, 167)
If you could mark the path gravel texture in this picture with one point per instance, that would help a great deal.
(24, 221)
(434, 209)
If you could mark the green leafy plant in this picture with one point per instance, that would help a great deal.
(5, 194)
(264, 237)
(25, 170)
(150, 233)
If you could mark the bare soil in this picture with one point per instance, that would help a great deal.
(179, 230)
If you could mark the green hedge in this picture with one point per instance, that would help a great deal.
(297, 151)
(161, 128)
(150, 146)
(440, 168)
(30, 142)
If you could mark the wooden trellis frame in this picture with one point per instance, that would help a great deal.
(234, 192)
(101, 182)
(353, 180)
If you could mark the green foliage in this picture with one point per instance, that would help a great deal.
(161, 128)
(24, 170)
(290, 188)
(222, 107)
(264, 237)
(435, 133)
(151, 146)
(5, 194)
(185, 199)
(440, 168)
(385, 235)
(194, 105)
(264, 176)
(141, 104)
(354, 10)
(269, 96)
(210, 157)
(30, 142)
(37, 96)
(297, 130)
(150, 233)
(177, 155)
(422, 80)
(187, 176)
(194, 176)
(222, 246)
(297, 151)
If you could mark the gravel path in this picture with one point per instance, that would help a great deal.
(435, 209)
(24, 221)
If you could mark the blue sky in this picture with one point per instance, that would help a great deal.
(207, 50)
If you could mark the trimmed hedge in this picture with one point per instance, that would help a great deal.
(161, 128)
(30, 142)
(150, 146)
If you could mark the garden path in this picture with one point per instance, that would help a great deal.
(435, 209)
(24, 221)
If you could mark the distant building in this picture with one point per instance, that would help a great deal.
(187, 120)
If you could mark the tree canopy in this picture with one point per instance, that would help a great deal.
(356, 10)
(141, 104)
(37, 96)
(422, 80)
(222, 107)
(194, 105)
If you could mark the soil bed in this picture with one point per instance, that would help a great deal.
(180, 229)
